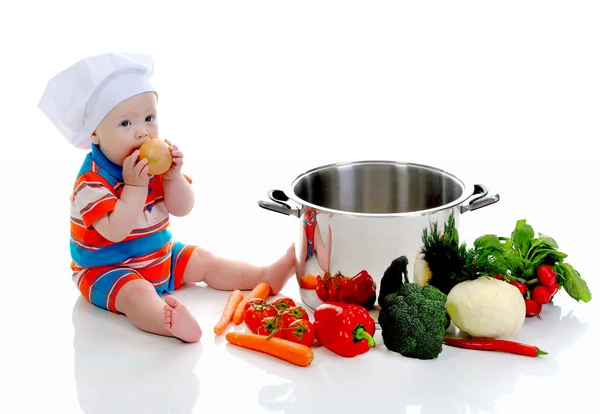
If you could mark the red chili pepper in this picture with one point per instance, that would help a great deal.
(496, 345)
(344, 328)
(359, 290)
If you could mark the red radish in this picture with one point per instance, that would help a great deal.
(546, 275)
(553, 289)
(521, 286)
(532, 308)
(541, 294)
(499, 277)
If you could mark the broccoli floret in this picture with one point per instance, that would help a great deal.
(392, 278)
(413, 321)
(433, 293)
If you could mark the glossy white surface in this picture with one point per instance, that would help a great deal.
(255, 94)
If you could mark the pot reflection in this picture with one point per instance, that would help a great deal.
(312, 245)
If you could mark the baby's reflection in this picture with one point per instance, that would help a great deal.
(312, 244)
(123, 370)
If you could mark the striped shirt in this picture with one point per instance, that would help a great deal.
(96, 190)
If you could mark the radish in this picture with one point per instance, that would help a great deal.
(521, 286)
(553, 289)
(532, 308)
(541, 294)
(546, 275)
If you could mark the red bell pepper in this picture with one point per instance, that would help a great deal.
(359, 290)
(344, 328)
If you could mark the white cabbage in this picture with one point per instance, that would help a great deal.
(486, 308)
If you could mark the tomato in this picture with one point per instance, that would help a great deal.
(284, 303)
(541, 294)
(333, 294)
(532, 308)
(328, 287)
(255, 314)
(335, 287)
(271, 324)
(521, 286)
(302, 332)
(321, 289)
(293, 314)
(546, 275)
(252, 302)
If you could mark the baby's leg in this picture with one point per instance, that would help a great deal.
(226, 274)
(138, 300)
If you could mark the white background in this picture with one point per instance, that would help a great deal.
(255, 92)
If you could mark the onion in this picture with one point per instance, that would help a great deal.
(157, 153)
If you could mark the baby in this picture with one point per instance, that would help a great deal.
(124, 258)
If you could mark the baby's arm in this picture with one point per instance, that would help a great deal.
(179, 195)
(119, 223)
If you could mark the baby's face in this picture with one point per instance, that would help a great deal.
(127, 126)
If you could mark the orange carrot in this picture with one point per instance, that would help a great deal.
(289, 351)
(260, 291)
(233, 300)
(308, 282)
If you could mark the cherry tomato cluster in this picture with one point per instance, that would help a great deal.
(538, 291)
(329, 286)
(282, 319)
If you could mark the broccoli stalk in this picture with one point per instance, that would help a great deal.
(393, 278)
(413, 321)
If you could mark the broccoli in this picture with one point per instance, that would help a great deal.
(413, 321)
(392, 278)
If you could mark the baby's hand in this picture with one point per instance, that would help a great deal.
(175, 169)
(135, 173)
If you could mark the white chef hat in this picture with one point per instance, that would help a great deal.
(78, 98)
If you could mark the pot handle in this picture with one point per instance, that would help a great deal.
(279, 204)
(479, 199)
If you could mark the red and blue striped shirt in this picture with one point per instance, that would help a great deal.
(96, 190)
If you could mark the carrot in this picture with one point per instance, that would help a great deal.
(289, 351)
(233, 300)
(308, 282)
(260, 291)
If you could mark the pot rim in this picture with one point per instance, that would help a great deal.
(456, 202)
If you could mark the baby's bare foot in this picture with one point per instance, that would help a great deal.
(277, 274)
(180, 322)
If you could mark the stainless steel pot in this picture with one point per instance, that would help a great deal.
(362, 215)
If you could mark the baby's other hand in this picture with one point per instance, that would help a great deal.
(175, 169)
(136, 173)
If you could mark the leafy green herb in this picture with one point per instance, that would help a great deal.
(451, 262)
(522, 237)
(573, 283)
(540, 250)
(515, 258)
